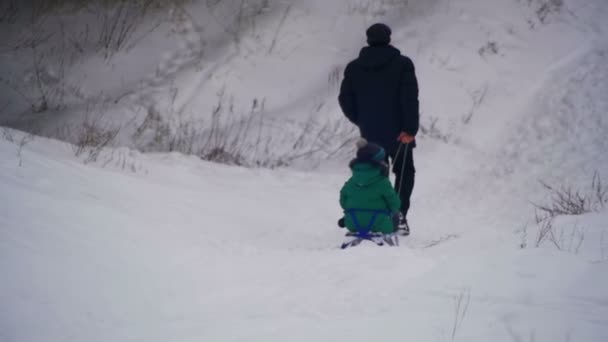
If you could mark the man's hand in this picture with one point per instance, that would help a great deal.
(405, 138)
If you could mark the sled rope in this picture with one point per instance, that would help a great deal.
(402, 165)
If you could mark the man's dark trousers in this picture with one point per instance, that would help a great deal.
(404, 185)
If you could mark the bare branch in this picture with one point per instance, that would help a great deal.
(278, 29)
(461, 306)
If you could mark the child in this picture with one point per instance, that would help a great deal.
(369, 189)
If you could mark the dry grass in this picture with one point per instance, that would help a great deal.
(568, 201)
(565, 200)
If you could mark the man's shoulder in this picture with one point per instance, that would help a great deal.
(352, 64)
(405, 60)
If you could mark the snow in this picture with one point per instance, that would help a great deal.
(163, 246)
(188, 250)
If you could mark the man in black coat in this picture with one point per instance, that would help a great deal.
(379, 94)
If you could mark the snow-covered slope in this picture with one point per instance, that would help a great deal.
(480, 65)
(182, 250)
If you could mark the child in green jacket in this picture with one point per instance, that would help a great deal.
(369, 188)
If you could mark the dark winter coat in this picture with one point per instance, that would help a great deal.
(369, 188)
(379, 94)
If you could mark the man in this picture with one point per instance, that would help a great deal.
(379, 94)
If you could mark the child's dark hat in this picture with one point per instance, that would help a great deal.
(367, 151)
(371, 153)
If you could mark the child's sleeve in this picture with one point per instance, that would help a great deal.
(343, 195)
(390, 196)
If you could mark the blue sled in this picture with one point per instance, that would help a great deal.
(364, 233)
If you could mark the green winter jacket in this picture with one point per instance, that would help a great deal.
(369, 189)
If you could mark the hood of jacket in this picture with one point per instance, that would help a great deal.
(376, 57)
(365, 174)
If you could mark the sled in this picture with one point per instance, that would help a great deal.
(364, 233)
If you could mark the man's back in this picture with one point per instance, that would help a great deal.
(380, 94)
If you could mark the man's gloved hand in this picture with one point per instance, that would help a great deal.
(341, 223)
(405, 138)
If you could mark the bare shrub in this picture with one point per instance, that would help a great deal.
(184, 138)
(50, 49)
(279, 27)
(119, 20)
(432, 131)
(567, 201)
(568, 239)
(335, 76)
(223, 156)
(91, 136)
(42, 85)
(93, 139)
(222, 139)
(114, 25)
(253, 142)
(227, 139)
(599, 192)
(10, 136)
(37, 77)
(317, 140)
(77, 40)
(160, 128)
(249, 139)
(153, 121)
(545, 229)
(7, 134)
(122, 159)
(26, 139)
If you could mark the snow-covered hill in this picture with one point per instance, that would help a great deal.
(277, 65)
(119, 245)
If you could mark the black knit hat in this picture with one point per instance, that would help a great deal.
(378, 34)
(370, 153)
(367, 151)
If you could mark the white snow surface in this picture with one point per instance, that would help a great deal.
(177, 249)
(167, 247)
